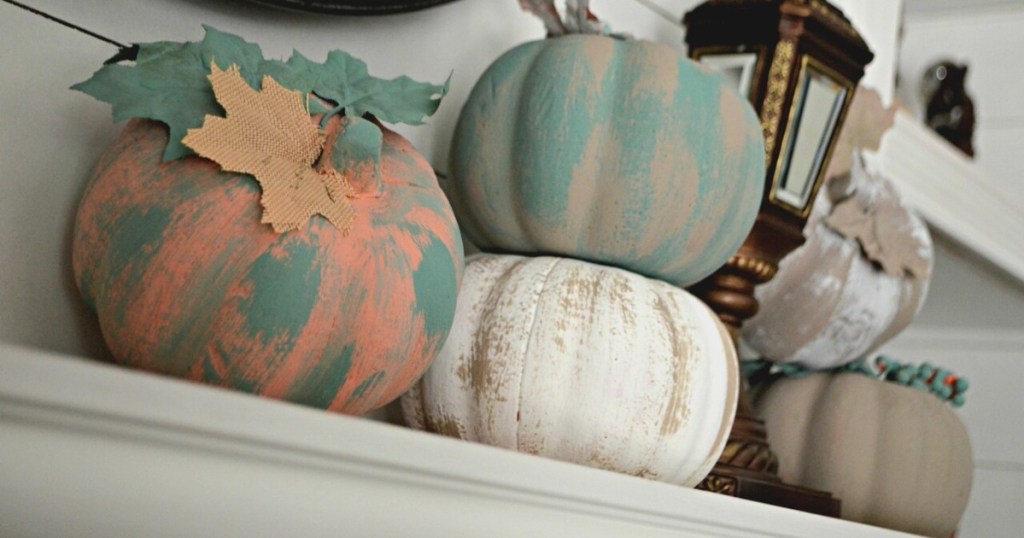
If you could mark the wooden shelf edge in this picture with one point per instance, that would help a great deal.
(954, 194)
(93, 449)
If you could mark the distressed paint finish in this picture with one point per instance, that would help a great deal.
(583, 363)
(187, 282)
(828, 304)
(896, 456)
(618, 152)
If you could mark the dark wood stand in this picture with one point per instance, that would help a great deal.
(784, 36)
(747, 467)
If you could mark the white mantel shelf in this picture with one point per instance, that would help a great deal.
(88, 449)
(954, 194)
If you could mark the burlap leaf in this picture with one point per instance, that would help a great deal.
(902, 251)
(866, 121)
(268, 134)
(168, 83)
(854, 221)
(874, 217)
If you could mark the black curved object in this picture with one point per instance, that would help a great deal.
(354, 7)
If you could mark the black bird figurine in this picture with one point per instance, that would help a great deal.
(949, 110)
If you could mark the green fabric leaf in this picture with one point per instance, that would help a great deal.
(345, 80)
(358, 148)
(400, 100)
(335, 79)
(168, 83)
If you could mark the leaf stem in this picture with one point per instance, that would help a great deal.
(330, 114)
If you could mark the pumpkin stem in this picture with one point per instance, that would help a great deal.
(352, 148)
(578, 18)
(336, 111)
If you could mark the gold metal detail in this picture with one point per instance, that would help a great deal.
(723, 485)
(830, 14)
(749, 454)
(837, 20)
(808, 62)
(761, 270)
(778, 81)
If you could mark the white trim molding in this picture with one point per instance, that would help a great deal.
(96, 450)
(953, 194)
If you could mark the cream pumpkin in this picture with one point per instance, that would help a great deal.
(583, 363)
(895, 456)
(858, 281)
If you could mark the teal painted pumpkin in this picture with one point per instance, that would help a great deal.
(618, 152)
(186, 281)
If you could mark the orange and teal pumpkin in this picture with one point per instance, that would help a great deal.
(186, 281)
(618, 152)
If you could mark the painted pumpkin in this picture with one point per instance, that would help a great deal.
(582, 363)
(895, 456)
(186, 281)
(619, 152)
(854, 285)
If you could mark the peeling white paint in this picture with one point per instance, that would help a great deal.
(582, 363)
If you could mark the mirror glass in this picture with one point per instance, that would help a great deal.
(737, 68)
(812, 126)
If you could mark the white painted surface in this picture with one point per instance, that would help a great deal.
(969, 294)
(93, 450)
(49, 140)
(986, 35)
(994, 508)
(952, 8)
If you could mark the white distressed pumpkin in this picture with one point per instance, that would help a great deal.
(896, 457)
(582, 363)
(832, 301)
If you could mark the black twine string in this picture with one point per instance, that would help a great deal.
(63, 22)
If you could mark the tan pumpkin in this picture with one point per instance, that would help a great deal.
(582, 363)
(895, 456)
(860, 279)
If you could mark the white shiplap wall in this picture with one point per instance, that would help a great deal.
(973, 320)
(50, 137)
(987, 36)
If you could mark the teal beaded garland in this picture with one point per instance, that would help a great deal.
(940, 382)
